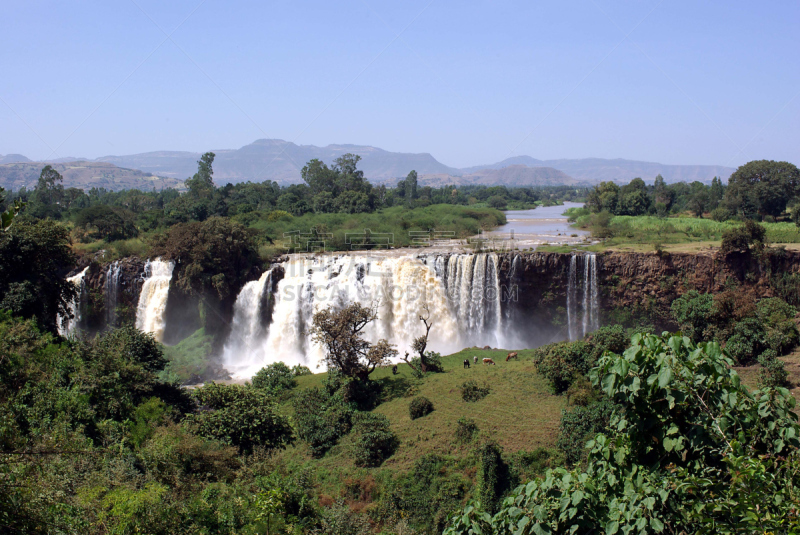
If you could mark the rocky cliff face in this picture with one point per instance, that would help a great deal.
(631, 287)
(635, 285)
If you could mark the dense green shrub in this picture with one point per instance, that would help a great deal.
(375, 442)
(563, 362)
(298, 370)
(339, 519)
(579, 425)
(528, 465)
(419, 407)
(609, 338)
(321, 418)
(740, 239)
(747, 341)
(721, 214)
(275, 378)
(471, 391)
(242, 416)
(494, 477)
(693, 312)
(466, 429)
(772, 374)
(424, 497)
(777, 317)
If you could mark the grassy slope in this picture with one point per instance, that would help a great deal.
(520, 414)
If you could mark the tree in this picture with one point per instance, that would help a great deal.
(496, 201)
(604, 197)
(201, 185)
(422, 363)
(764, 185)
(716, 193)
(340, 332)
(7, 217)
(411, 186)
(35, 259)
(108, 223)
(48, 188)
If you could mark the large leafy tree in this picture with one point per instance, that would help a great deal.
(35, 259)
(763, 187)
(688, 450)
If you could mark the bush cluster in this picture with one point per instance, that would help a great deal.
(375, 442)
(419, 407)
(746, 326)
(580, 424)
(242, 416)
(275, 378)
(466, 429)
(321, 418)
(471, 391)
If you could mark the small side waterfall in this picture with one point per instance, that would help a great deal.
(572, 294)
(69, 326)
(245, 346)
(111, 292)
(153, 297)
(589, 304)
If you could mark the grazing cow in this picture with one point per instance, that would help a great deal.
(394, 369)
(475, 359)
(466, 363)
(488, 361)
(512, 355)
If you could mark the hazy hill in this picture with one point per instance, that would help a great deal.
(12, 158)
(275, 159)
(282, 161)
(84, 175)
(619, 170)
(512, 176)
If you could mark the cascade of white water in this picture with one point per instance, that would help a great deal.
(586, 291)
(512, 281)
(153, 297)
(594, 305)
(112, 291)
(245, 346)
(460, 294)
(69, 326)
(572, 294)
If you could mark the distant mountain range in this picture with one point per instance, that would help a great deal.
(282, 161)
(84, 175)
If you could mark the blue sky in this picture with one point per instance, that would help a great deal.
(470, 82)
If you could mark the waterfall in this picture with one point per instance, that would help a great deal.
(112, 291)
(589, 310)
(594, 303)
(245, 348)
(572, 294)
(153, 297)
(460, 294)
(69, 326)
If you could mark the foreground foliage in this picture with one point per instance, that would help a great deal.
(689, 449)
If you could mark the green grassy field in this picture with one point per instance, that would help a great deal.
(520, 414)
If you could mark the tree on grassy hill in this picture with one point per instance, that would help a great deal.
(763, 185)
(340, 332)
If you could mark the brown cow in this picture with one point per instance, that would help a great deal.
(488, 361)
(512, 355)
